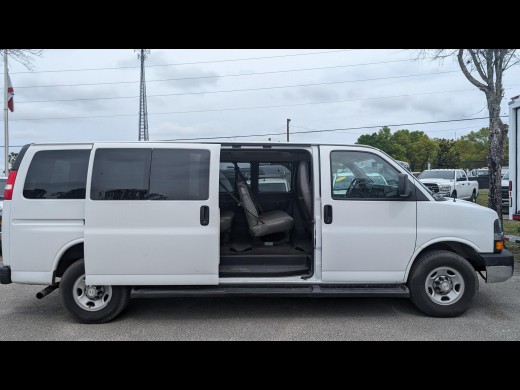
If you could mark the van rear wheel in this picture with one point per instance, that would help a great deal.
(443, 284)
(91, 304)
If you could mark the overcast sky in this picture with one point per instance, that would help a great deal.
(201, 95)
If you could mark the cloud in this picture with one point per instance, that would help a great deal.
(186, 77)
(311, 94)
(171, 130)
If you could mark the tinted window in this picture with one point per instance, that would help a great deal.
(121, 174)
(448, 175)
(2, 188)
(227, 175)
(360, 175)
(265, 186)
(179, 174)
(274, 177)
(57, 174)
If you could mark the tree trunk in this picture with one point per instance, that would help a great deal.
(497, 144)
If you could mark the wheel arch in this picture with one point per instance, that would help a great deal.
(68, 254)
(465, 249)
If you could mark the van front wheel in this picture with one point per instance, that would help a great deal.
(91, 304)
(443, 284)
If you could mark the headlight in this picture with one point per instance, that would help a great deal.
(445, 188)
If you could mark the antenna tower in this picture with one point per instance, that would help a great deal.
(143, 110)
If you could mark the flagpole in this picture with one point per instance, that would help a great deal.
(6, 115)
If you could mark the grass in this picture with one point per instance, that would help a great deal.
(510, 227)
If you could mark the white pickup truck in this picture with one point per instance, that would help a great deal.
(450, 183)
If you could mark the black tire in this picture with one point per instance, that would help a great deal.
(422, 269)
(473, 197)
(118, 301)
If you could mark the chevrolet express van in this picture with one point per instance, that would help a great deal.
(106, 221)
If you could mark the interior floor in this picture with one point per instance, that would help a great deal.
(266, 250)
(266, 265)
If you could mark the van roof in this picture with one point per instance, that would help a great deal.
(227, 143)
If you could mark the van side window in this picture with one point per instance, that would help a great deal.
(121, 174)
(57, 174)
(179, 174)
(362, 175)
(146, 174)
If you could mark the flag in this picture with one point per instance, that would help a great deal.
(10, 94)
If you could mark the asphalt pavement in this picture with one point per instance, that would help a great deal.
(494, 316)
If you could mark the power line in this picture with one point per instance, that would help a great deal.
(188, 63)
(323, 130)
(331, 130)
(215, 76)
(424, 131)
(251, 108)
(238, 90)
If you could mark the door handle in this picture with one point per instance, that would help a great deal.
(204, 215)
(327, 214)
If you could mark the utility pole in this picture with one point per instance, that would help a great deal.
(143, 110)
(6, 117)
(288, 120)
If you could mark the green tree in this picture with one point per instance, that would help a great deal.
(401, 145)
(380, 140)
(485, 69)
(447, 155)
(474, 146)
(414, 147)
(421, 150)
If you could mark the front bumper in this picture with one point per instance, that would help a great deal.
(5, 275)
(499, 266)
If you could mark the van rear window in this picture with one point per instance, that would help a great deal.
(57, 174)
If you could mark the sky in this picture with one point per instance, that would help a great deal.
(79, 95)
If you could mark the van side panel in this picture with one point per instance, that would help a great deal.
(39, 228)
(369, 238)
(145, 240)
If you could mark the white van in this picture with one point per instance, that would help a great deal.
(107, 221)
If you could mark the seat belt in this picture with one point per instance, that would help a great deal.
(239, 203)
(230, 193)
(244, 179)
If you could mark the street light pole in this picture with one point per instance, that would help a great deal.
(288, 120)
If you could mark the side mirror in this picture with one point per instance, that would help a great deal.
(404, 186)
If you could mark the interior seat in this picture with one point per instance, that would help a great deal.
(226, 216)
(226, 220)
(303, 186)
(261, 224)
